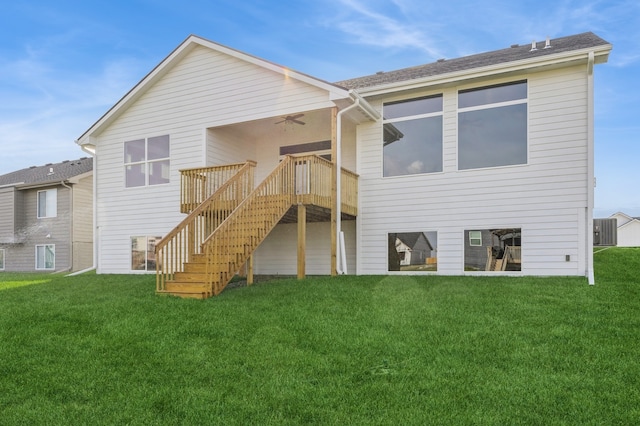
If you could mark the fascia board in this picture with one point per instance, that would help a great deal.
(601, 54)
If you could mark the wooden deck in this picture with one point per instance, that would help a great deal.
(228, 219)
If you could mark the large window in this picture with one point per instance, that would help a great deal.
(492, 126)
(146, 161)
(143, 253)
(412, 136)
(493, 250)
(1, 259)
(46, 256)
(413, 251)
(47, 203)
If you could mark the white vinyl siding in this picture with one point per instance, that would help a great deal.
(546, 198)
(192, 101)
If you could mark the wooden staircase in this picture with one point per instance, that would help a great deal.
(203, 253)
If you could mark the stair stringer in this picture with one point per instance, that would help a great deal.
(240, 234)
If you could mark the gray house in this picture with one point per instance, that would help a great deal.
(46, 217)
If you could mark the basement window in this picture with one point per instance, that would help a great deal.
(143, 253)
(413, 251)
(146, 161)
(493, 250)
(1, 259)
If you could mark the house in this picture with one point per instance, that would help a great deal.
(412, 251)
(46, 217)
(628, 230)
(227, 162)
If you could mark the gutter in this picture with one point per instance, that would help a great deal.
(358, 101)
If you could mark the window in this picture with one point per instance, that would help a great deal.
(146, 161)
(413, 251)
(492, 126)
(493, 250)
(412, 136)
(1, 259)
(47, 203)
(475, 238)
(46, 256)
(143, 253)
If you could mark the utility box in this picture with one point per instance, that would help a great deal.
(605, 232)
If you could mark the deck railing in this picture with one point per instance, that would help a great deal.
(230, 245)
(185, 240)
(226, 239)
(304, 179)
(196, 185)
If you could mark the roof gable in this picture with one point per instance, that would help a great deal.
(334, 92)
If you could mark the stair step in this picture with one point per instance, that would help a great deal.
(185, 286)
(186, 294)
(189, 277)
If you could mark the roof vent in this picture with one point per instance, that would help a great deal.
(547, 44)
(533, 46)
(380, 72)
(50, 171)
(515, 45)
(441, 60)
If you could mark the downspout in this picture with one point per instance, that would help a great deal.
(95, 214)
(590, 168)
(341, 255)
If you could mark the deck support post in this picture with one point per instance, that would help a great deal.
(250, 270)
(302, 240)
(334, 192)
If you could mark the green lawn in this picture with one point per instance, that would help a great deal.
(99, 349)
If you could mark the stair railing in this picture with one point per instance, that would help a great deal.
(197, 184)
(185, 240)
(229, 247)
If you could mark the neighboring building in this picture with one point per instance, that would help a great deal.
(628, 230)
(496, 141)
(46, 218)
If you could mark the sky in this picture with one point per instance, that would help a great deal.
(64, 63)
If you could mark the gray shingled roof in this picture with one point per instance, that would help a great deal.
(510, 54)
(43, 174)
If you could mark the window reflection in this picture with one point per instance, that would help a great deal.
(412, 137)
(413, 251)
(493, 250)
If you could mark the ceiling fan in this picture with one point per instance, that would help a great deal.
(290, 119)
